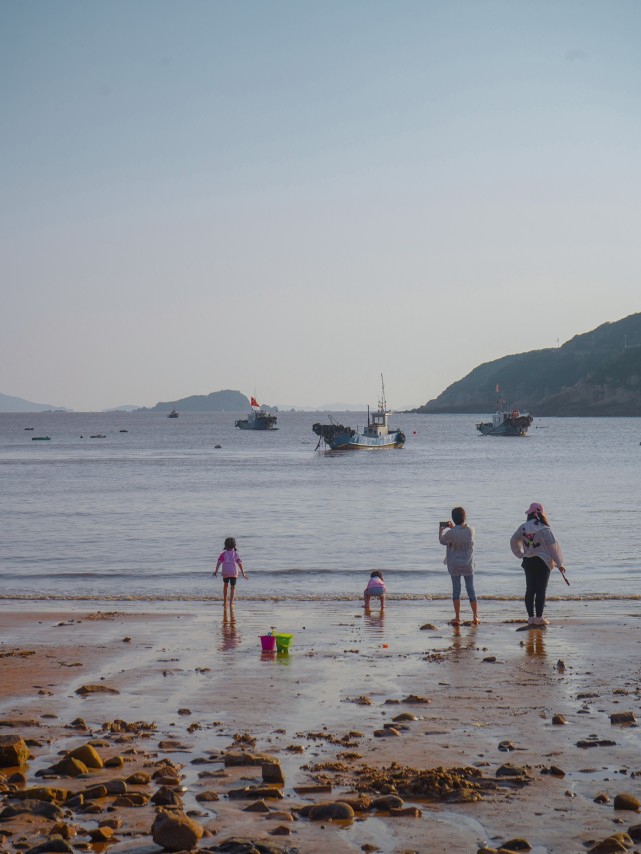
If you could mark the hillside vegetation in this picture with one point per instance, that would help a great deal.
(596, 373)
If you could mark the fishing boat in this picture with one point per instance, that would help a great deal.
(378, 435)
(257, 419)
(174, 414)
(505, 422)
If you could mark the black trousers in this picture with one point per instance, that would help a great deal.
(537, 575)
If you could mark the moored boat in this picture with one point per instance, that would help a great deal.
(505, 422)
(257, 419)
(174, 414)
(378, 435)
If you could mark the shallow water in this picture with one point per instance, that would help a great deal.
(143, 514)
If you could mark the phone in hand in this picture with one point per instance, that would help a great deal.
(444, 524)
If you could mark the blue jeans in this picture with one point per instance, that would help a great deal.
(469, 586)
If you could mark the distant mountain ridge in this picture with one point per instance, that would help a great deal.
(18, 404)
(226, 400)
(595, 373)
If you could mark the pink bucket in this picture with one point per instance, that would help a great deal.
(268, 643)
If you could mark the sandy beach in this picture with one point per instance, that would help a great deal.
(244, 742)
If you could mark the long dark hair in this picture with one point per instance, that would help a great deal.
(230, 543)
(376, 574)
(540, 517)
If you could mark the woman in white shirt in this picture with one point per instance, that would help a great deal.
(539, 551)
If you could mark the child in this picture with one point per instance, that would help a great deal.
(230, 561)
(375, 587)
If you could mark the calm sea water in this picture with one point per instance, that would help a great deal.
(143, 513)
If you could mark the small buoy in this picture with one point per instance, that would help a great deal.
(414, 434)
(384, 645)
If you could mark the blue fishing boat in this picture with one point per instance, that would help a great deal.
(378, 435)
(258, 419)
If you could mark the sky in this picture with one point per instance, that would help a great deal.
(290, 197)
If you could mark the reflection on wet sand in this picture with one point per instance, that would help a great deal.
(535, 645)
(374, 620)
(230, 637)
(463, 642)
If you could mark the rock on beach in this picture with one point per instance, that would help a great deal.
(13, 751)
(175, 831)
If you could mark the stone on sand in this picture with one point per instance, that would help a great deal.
(85, 690)
(175, 831)
(70, 767)
(273, 773)
(13, 751)
(623, 718)
(625, 801)
(331, 811)
(88, 755)
(612, 844)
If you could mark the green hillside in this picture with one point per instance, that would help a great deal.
(596, 373)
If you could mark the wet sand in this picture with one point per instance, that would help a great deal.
(201, 678)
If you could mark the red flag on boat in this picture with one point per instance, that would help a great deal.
(254, 402)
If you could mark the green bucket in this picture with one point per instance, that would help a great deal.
(283, 642)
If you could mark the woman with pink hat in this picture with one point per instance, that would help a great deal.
(535, 544)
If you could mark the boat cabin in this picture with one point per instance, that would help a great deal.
(378, 425)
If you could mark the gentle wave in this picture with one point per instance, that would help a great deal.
(300, 597)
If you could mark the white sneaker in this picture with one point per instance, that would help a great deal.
(541, 621)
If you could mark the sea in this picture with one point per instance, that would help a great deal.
(141, 513)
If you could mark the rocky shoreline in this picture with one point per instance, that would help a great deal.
(332, 749)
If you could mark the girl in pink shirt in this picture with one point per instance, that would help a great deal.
(375, 587)
(231, 563)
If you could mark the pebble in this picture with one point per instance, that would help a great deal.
(331, 811)
(13, 751)
(510, 771)
(174, 831)
(281, 830)
(612, 844)
(387, 802)
(559, 720)
(517, 844)
(257, 806)
(625, 801)
(623, 718)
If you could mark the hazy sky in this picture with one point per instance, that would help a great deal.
(293, 197)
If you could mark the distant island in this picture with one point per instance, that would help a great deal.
(597, 373)
(218, 401)
(19, 404)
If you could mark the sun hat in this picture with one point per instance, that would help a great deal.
(534, 507)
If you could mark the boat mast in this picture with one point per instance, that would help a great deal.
(383, 401)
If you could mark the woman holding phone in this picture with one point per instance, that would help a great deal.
(459, 559)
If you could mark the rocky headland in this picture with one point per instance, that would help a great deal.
(597, 373)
